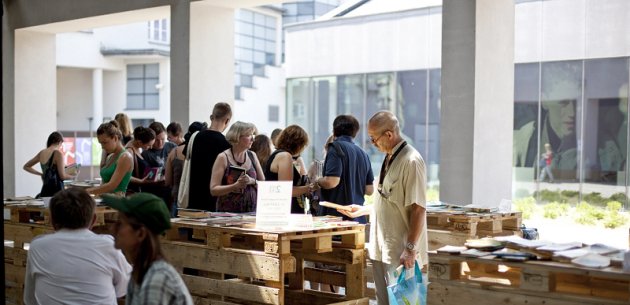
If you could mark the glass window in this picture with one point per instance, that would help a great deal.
(270, 34)
(290, 9)
(142, 92)
(270, 47)
(152, 101)
(305, 8)
(259, 57)
(270, 22)
(259, 31)
(605, 121)
(259, 19)
(247, 81)
(560, 113)
(412, 108)
(245, 15)
(324, 103)
(274, 113)
(270, 59)
(259, 44)
(433, 145)
(298, 98)
(259, 70)
(526, 95)
(246, 67)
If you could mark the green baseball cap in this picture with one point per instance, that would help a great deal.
(149, 209)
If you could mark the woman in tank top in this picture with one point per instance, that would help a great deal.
(236, 170)
(45, 156)
(282, 165)
(116, 171)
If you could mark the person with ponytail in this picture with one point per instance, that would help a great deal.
(116, 171)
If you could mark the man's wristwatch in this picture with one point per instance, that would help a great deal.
(410, 246)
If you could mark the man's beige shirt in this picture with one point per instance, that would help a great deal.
(403, 186)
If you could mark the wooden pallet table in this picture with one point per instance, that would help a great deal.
(243, 265)
(448, 228)
(23, 223)
(460, 280)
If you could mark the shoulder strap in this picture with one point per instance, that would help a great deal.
(50, 160)
(189, 149)
(251, 158)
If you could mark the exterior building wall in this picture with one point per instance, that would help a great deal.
(399, 41)
(268, 91)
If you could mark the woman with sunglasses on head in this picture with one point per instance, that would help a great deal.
(236, 170)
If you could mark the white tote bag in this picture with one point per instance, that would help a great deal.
(184, 184)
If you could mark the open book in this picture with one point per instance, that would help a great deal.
(335, 206)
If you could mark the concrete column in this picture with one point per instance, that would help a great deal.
(477, 101)
(34, 114)
(180, 63)
(97, 98)
(211, 59)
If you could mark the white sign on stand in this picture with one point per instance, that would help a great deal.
(273, 205)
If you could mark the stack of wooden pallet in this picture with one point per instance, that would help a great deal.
(464, 280)
(22, 223)
(454, 228)
(238, 264)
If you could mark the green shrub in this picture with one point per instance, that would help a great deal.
(555, 209)
(550, 196)
(433, 194)
(521, 193)
(620, 197)
(588, 214)
(570, 194)
(594, 198)
(527, 206)
(614, 220)
(613, 206)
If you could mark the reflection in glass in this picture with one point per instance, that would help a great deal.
(433, 149)
(606, 120)
(325, 98)
(561, 97)
(413, 102)
(350, 100)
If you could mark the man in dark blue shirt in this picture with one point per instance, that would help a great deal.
(347, 175)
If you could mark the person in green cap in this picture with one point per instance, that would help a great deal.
(143, 217)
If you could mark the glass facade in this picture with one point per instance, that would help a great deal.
(255, 46)
(580, 113)
(413, 96)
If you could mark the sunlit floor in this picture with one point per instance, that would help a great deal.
(564, 229)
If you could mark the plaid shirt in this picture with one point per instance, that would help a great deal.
(162, 285)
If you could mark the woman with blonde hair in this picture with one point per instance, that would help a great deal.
(124, 124)
(236, 170)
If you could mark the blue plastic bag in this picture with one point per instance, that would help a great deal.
(410, 291)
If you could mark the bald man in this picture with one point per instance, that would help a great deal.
(398, 235)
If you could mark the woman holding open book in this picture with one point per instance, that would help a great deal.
(236, 170)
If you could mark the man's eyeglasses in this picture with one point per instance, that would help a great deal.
(378, 138)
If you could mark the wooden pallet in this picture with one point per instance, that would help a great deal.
(475, 223)
(523, 282)
(242, 265)
(19, 230)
